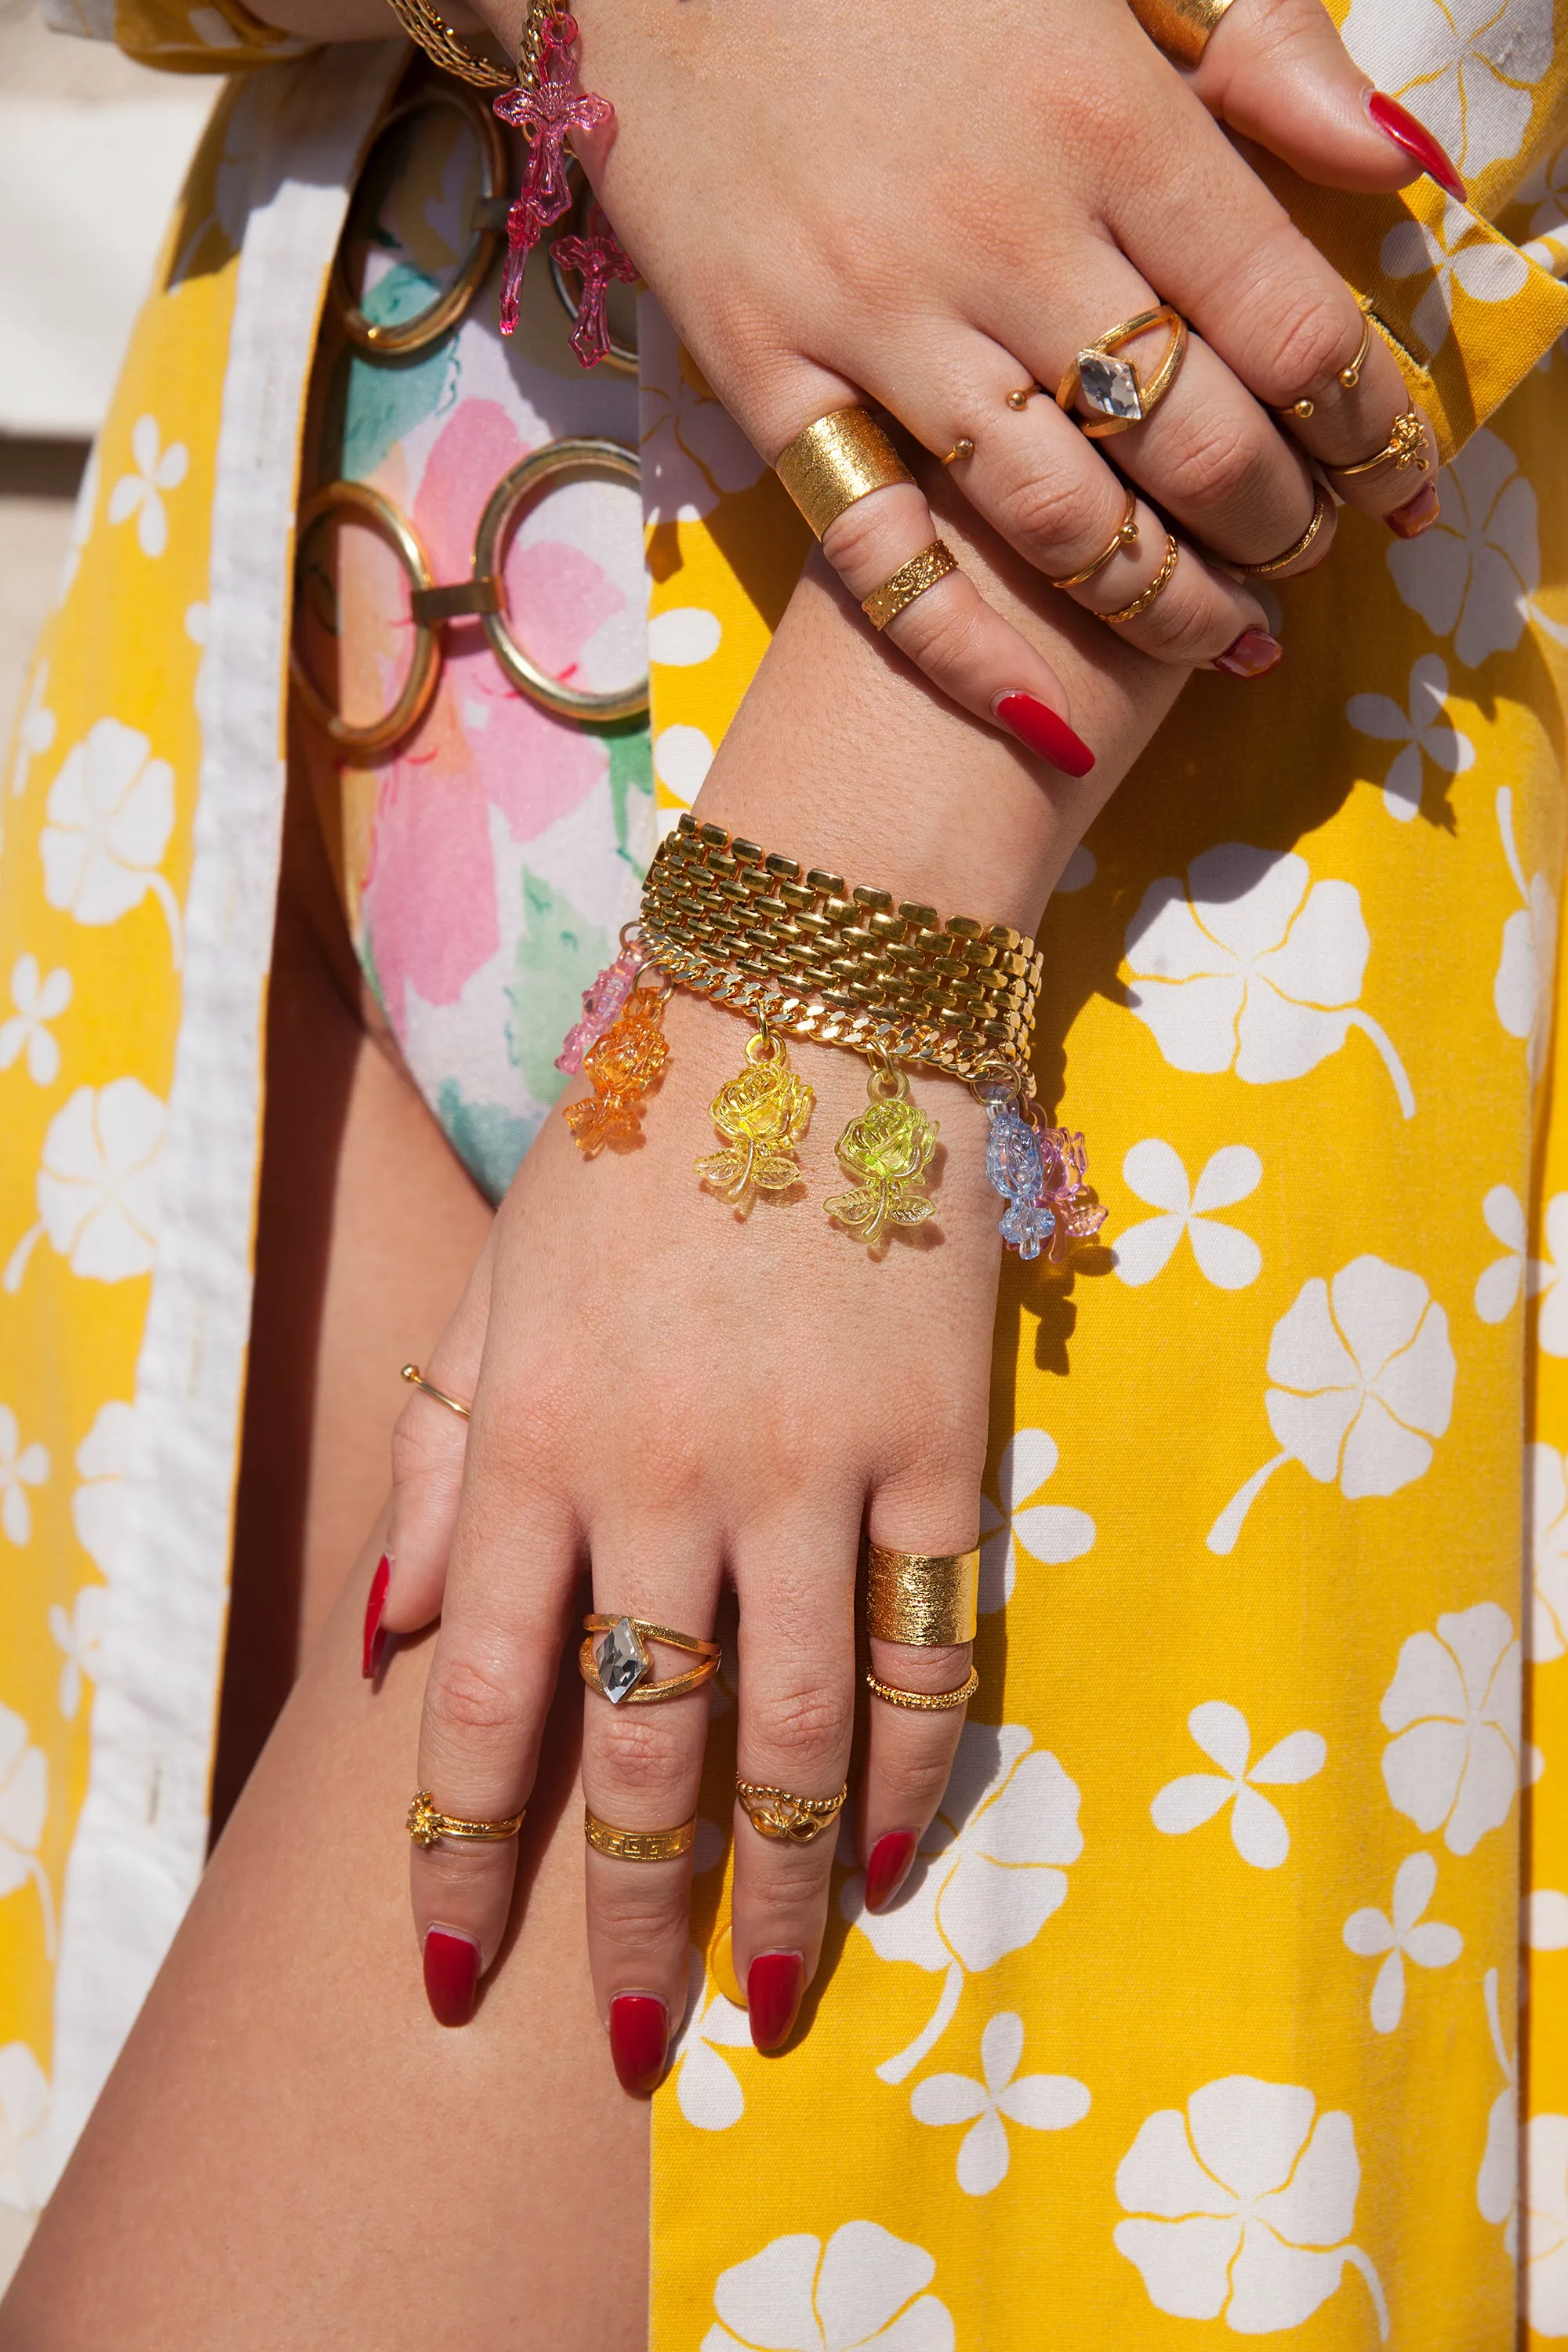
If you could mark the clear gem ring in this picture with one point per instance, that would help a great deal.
(613, 1660)
(1112, 387)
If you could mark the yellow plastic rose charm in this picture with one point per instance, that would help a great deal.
(885, 1151)
(628, 1059)
(761, 1115)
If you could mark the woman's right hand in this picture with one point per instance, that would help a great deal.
(932, 209)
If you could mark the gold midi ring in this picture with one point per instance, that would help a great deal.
(962, 448)
(416, 1378)
(775, 1814)
(1181, 27)
(1126, 535)
(637, 1845)
(1347, 377)
(1115, 386)
(925, 1702)
(836, 461)
(924, 1599)
(1321, 502)
(909, 581)
(618, 1667)
(1154, 591)
(1404, 447)
(426, 1826)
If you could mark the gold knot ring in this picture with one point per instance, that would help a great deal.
(776, 1814)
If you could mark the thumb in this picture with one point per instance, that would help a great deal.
(1278, 72)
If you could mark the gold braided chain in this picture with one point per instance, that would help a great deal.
(420, 21)
(849, 967)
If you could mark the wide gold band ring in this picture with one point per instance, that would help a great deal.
(1322, 501)
(613, 1660)
(837, 461)
(1404, 447)
(1154, 591)
(1181, 27)
(925, 1702)
(415, 1379)
(427, 1827)
(1126, 535)
(909, 581)
(1115, 387)
(927, 1599)
(637, 1845)
(775, 1814)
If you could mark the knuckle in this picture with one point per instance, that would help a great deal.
(1220, 463)
(1191, 632)
(801, 1730)
(916, 1779)
(855, 543)
(632, 1752)
(942, 630)
(629, 1914)
(467, 1696)
(1318, 336)
(794, 1883)
(1053, 517)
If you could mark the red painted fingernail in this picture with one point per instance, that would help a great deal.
(1418, 514)
(640, 2038)
(1398, 123)
(1254, 652)
(1034, 722)
(890, 1858)
(775, 1984)
(451, 1974)
(374, 1644)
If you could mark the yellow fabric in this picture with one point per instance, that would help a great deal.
(209, 36)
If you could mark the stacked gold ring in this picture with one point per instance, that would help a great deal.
(638, 1845)
(428, 1826)
(794, 1821)
(1321, 502)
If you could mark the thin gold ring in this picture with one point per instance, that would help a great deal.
(1145, 397)
(1405, 446)
(427, 1827)
(778, 1813)
(962, 448)
(1321, 502)
(638, 1845)
(1347, 377)
(925, 1702)
(911, 580)
(1126, 533)
(1154, 591)
(415, 1379)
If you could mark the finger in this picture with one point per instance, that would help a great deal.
(642, 1765)
(909, 1758)
(1348, 417)
(797, 1719)
(429, 1446)
(1277, 72)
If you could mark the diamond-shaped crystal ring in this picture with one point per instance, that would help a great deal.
(613, 1660)
(1113, 387)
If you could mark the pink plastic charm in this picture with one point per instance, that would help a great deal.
(545, 116)
(596, 258)
(601, 1000)
(1064, 1192)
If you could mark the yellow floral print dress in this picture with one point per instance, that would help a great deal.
(1230, 1995)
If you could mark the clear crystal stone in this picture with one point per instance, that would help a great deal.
(622, 1660)
(1109, 384)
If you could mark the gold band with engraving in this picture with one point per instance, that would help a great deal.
(637, 1845)
(909, 581)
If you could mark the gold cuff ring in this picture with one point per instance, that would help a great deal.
(415, 1379)
(926, 1600)
(837, 460)
(427, 1827)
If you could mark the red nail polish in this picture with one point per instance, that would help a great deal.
(640, 2038)
(1034, 723)
(1398, 123)
(451, 1974)
(374, 1644)
(1254, 652)
(775, 1984)
(885, 1872)
(1416, 515)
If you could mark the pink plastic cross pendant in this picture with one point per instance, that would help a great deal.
(545, 116)
(596, 258)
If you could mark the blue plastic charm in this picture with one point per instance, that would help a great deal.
(1014, 1169)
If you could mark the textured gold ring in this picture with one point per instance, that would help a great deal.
(1181, 27)
(613, 1660)
(427, 1827)
(910, 580)
(927, 1599)
(776, 1814)
(1322, 501)
(637, 1845)
(1126, 535)
(415, 1379)
(925, 1702)
(1404, 447)
(1115, 387)
(1156, 588)
(837, 461)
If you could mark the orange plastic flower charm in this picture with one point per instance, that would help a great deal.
(628, 1059)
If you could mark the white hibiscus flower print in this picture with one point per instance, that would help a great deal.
(1253, 967)
(1457, 252)
(38, 1001)
(1522, 990)
(140, 493)
(1402, 1934)
(1364, 1379)
(1551, 1329)
(1498, 1289)
(1422, 733)
(24, 2117)
(693, 451)
(1546, 1551)
(1227, 1257)
(1497, 2182)
(1052, 1532)
(1543, 1921)
(24, 1809)
(1039, 2101)
(705, 2084)
(111, 813)
(98, 1185)
(34, 730)
(1472, 575)
(1455, 1705)
(864, 2287)
(990, 1870)
(80, 1634)
(1243, 2207)
(1545, 2230)
(21, 1466)
(101, 1461)
(1465, 68)
(1547, 190)
(1258, 1826)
